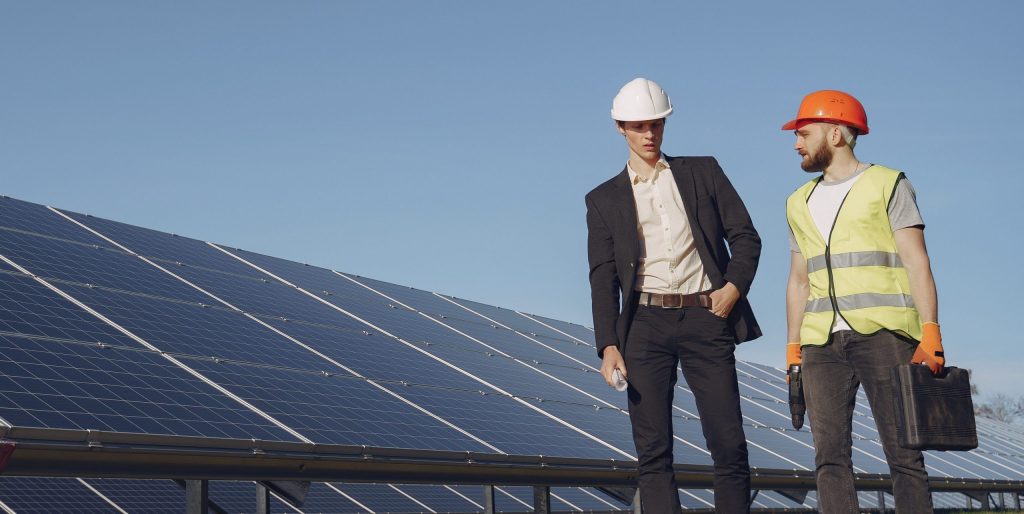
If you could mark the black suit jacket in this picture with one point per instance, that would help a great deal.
(716, 215)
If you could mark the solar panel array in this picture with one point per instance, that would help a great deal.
(112, 327)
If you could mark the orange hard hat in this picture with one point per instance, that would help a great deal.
(833, 107)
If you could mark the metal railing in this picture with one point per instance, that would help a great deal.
(194, 460)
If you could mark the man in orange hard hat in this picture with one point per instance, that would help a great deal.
(860, 299)
(657, 235)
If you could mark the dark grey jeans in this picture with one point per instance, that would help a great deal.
(832, 374)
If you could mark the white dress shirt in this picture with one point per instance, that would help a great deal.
(669, 262)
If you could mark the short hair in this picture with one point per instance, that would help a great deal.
(849, 134)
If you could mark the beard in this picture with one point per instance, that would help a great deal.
(819, 160)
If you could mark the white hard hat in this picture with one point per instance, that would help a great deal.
(640, 100)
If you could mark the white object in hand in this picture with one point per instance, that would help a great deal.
(620, 383)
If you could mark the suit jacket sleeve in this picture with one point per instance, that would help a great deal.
(744, 243)
(604, 279)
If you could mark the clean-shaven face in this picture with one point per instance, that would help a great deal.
(644, 137)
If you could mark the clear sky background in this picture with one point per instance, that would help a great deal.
(448, 145)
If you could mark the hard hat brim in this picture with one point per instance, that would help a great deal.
(656, 116)
(792, 125)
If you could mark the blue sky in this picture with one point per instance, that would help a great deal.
(448, 145)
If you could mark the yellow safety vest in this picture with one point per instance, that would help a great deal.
(857, 272)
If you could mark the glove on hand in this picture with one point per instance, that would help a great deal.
(929, 351)
(793, 357)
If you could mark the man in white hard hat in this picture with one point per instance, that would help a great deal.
(671, 238)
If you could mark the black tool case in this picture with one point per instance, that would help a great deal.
(933, 412)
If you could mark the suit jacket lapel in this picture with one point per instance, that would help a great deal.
(687, 191)
(627, 212)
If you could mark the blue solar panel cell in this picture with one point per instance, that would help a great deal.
(321, 498)
(438, 498)
(142, 496)
(30, 495)
(572, 330)
(37, 219)
(587, 500)
(381, 497)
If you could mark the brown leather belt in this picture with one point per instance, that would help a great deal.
(676, 301)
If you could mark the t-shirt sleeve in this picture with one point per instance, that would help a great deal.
(792, 241)
(903, 211)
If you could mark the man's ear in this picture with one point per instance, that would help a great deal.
(619, 127)
(834, 135)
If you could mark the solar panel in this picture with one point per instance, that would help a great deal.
(141, 496)
(31, 495)
(107, 326)
(89, 376)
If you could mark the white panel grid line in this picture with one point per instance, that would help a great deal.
(407, 495)
(163, 354)
(506, 493)
(286, 502)
(598, 498)
(414, 347)
(350, 498)
(750, 442)
(6, 509)
(284, 335)
(535, 320)
(464, 497)
(527, 336)
(489, 347)
(101, 495)
(566, 502)
(698, 498)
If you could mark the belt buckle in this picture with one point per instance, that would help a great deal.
(671, 301)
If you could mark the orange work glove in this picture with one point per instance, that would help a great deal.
(793, 356)
(929, 351)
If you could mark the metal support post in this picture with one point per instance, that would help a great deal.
(262, 499)
(489, 499)
(881, 501)
(1016, 500)
(542, 499)
(197, 497)
(637, 509)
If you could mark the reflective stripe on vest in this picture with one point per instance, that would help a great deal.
(860, 301)
(855, 272)
(852, 259)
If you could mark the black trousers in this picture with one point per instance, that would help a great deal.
(703, 344)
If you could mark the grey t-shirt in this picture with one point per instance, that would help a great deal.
(903, 211)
